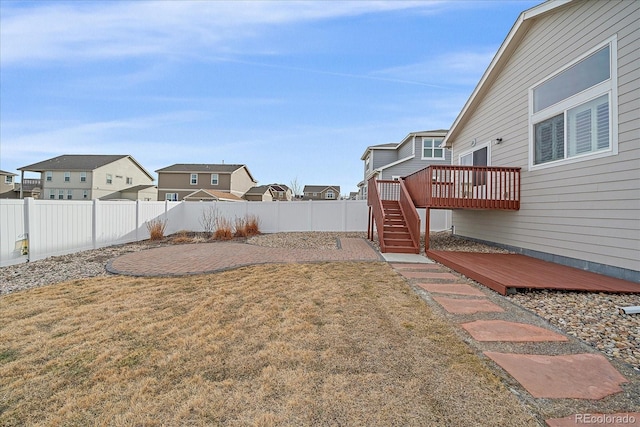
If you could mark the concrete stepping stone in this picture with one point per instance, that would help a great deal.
(416, 266)
(501, 330)
(622, 419)
(428, 275)
(572, 376)
(451, 288)
(467, 305)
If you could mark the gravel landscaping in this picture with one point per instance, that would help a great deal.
(591, 317)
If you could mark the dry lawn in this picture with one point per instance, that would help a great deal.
(315, 344)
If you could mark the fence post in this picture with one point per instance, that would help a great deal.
(94, 228)
(29, 210)
(137, 220)
(310, 204)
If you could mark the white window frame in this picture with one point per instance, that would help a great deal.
(171, 197)
(109, 178)
(330, 195)
(60, 194)
(69, 194)
(48, 176)
(486, 145)
(608, 87)
(433, 148)
(85, 194)
(83, 177)
(52, 194)
(215, 179)
(67, 177)
(129, 180)
(8, 179)
(193, 179)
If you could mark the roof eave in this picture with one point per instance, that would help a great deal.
(518, 30)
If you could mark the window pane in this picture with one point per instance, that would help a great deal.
(438, 152)
(549, 139)
(589, 72)
(588, 127)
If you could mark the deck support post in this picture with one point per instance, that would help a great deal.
(369, 227)
(427, 221)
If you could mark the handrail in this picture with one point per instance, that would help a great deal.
(465, 187)
(410, 214)
(375, 201)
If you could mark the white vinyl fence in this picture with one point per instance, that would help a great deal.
(35, 229)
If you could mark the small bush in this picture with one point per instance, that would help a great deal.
(224, 229)
(252, 226)
(182, 236)
(208, 220)
(156, 228)
(241, 227)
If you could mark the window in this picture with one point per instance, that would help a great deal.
(129, 181)
(171, 197)
(330, 195)
(8, 179)
(61, 194)
(430, 148)
(67, 177)
(194, 179)
(83, 177)
(109, 178)
(214, 179)
(85, 194)
(69, 194)
(572, 115)
(49, 176)
(52, 194)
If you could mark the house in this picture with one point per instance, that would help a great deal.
(179, 181)
(86, 177)
(321, 192)
(391, 161)
(268, 193)
(560, 101)
(211, 196)
(7, 185)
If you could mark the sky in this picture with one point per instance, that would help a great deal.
(294, 90)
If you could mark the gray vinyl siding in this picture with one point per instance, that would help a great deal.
(406, 149)
(588, 210)
(383, 157)
(415, 164)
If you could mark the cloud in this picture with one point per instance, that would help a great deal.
(455, 68)
(41, 32)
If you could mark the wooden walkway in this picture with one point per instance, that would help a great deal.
(502, 272)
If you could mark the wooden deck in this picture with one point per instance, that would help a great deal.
(502, 272)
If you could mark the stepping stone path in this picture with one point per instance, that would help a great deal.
(588, 376)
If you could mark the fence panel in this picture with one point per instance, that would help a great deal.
(115, 222)
(57, 227)
(11, 232)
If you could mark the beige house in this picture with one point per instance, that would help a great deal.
(7, 185)
(86, 177)
(179, 181)
(269, 193)
(560, 100)
(321, 192)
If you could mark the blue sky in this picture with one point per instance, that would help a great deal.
(291, 89)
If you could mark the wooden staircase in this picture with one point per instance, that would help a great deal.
(396, 236)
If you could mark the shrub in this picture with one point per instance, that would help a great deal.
(182, 236)
(208, 220)
(156, 228)
(252, 226)
(241, 227)
(224, 229)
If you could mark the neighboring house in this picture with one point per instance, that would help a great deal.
(178, 181)
(269, 193)
(321, 192)
(7, 185)
(86, 177)
(561, 101)
(211, 196)
(391, 161)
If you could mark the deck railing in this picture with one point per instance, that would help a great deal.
(465, 187)
(374, 200)
(410, 213)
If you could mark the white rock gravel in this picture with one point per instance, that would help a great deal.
(591, 317)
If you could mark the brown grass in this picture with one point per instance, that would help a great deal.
(156, 229)
(224, 229)
(252, 226)
(317, 344)
(240, 227)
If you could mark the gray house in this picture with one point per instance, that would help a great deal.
(321, 192)
(391, 161)
(560, 100)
